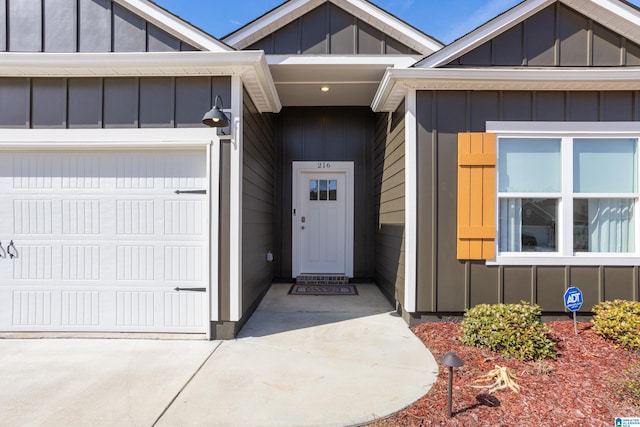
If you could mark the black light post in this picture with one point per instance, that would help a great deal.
(452, 361)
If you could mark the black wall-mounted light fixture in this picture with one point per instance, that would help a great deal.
(216, 117)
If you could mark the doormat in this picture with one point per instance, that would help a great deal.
(323, 290)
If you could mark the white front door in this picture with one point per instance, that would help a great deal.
(100, 240)
(323, 218)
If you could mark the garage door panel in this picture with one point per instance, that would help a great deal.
(31, 308)
(102, 240)
(31, 262)
(136, 262)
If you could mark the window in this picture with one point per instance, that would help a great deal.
(323, 189)
(567, 198)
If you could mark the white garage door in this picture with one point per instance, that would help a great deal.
(101, 241)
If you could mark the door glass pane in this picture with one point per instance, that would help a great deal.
(528, 225)
(313, 189)
(603, 225)
(333, 190)
(529, 165)
(323, 189)
(605, 166)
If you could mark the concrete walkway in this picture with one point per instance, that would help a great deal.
(299, 361)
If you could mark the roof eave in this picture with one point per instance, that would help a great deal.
(397, 82)
(251, 66)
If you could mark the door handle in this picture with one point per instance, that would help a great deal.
(13, 254)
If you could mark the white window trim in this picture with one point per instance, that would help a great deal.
(564, 131)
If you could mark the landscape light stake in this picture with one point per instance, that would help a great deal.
(452, 361)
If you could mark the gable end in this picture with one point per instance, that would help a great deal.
(329, 29)
(557, 36)
(86, 26)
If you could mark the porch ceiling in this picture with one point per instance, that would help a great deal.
(352, 80)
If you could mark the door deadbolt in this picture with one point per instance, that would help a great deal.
(304, 219)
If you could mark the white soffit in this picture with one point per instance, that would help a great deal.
(174, 25)
(363, 10)
(251, 66)
(351, 79)
(613, 14)
(397, 82)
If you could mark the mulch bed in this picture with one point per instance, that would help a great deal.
(578, 388)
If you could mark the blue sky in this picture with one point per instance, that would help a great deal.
(446, 20)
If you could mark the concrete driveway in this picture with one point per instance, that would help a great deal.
(299, 361)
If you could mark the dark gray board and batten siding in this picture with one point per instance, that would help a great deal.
(114, 102)
(448, 285)
(329, 29)
(326, 134)
(389, 202)
(79, 26)
(557, 36)
(258, 203)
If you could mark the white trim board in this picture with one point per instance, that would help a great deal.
(411, 204)
(235, 203)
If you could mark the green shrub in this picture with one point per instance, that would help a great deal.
(512, 329)
(619, 321)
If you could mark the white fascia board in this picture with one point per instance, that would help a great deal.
(398, 61)
(618, 16)
(397, 81)
(251, 66)
(562, 128)
(174, 25)
(388, 23)
(484, 33)
(40, 64)
(28, 139)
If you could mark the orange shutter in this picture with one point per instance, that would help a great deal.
(476, 196)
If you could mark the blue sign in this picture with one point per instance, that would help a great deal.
(573, 299)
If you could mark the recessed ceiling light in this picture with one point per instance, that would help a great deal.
(325, 88)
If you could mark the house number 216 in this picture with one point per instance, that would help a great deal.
(323, 165)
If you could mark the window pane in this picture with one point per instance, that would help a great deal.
(323, 190)
(333, 190)
(603, 225)
(604, 166)
(529, 165)
(313, 189)
(527, 225)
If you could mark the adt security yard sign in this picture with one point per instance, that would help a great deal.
(573, 299)
(573, 302)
